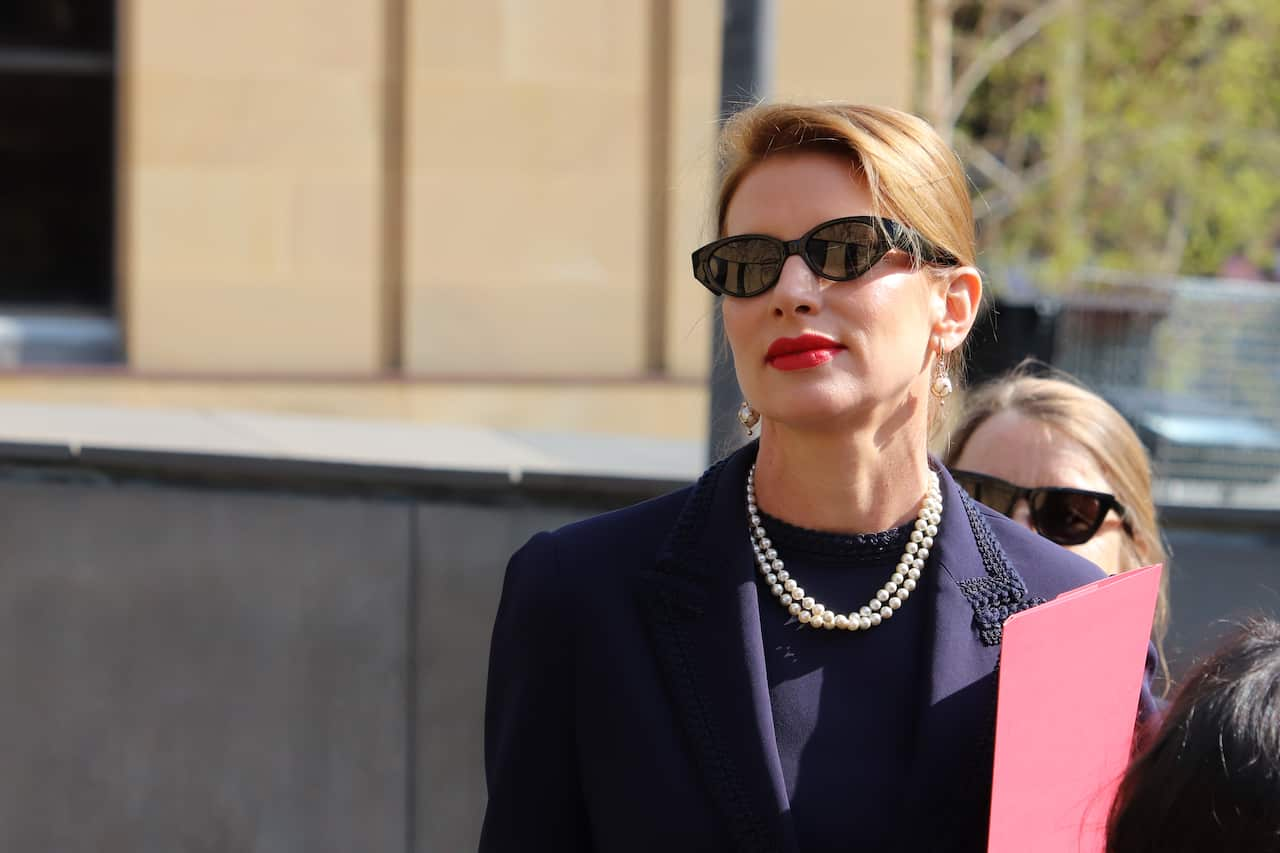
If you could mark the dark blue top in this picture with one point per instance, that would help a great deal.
(844, 756)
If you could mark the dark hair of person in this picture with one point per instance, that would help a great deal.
(1208, 779)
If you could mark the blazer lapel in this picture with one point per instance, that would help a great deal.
(704, 616)
(976, 590)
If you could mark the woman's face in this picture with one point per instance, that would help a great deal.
(879, 325)
(1030, 453)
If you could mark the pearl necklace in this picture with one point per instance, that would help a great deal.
(887, 599)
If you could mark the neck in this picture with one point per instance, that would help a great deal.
(841, 482)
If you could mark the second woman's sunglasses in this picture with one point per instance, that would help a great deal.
(837, 250)
(1062, 515)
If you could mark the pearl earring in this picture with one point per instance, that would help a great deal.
(748, 416)
(941, 387)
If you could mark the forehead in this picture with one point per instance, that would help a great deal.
(787, 194)
(1031, 453)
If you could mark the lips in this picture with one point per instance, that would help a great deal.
(803, 352)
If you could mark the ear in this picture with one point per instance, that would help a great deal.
(960, 295)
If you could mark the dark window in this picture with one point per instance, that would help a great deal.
(57, 154)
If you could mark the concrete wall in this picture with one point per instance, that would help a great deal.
(246, 665)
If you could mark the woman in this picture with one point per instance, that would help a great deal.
(1060, 460)
(1209, 778)
(660, 677)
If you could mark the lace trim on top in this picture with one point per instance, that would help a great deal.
(846, 548)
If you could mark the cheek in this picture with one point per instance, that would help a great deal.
(1105, 551)
(741, 320)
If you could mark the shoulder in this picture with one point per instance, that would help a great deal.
(1047, 568)
(649, 520)
(634, 533)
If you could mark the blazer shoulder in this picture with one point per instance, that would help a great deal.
(634, 532)
(1048, 568)
(646, 522)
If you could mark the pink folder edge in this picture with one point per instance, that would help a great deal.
(1070, 676)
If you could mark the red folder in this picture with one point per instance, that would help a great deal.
(1070, 675)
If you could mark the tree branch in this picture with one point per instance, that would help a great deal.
(1000, 49)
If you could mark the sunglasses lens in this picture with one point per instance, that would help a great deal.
(744, 267)
(844, 249)
(996, 494)
(1067, 518)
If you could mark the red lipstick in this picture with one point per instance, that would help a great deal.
(809, 350)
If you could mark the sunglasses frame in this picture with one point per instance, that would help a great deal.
(1106, 502)
(890, 235)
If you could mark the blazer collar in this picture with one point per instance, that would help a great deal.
(706, 626)
(704, 614)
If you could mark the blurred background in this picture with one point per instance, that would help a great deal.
(312, 311)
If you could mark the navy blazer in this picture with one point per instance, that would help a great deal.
(628, 703)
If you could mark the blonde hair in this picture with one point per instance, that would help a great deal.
(1060, 402)
(910, 173)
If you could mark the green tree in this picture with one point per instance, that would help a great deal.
(1125, 134)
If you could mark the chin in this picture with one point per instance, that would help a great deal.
(813, 411)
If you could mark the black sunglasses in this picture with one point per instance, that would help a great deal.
(1062, 515)
(838, 250)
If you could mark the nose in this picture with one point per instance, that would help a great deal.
(1022, 514)
(798, 290)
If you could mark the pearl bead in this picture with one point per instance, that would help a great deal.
(875, 619)
(921, 524)
(931, 530)
(923, 553)
(842, 622)
(913, 574)
(776, 589)
(798, 592)
(769, 552)
(903, 594)
(882, 595)
(755, 520)
(927, 542)
(783, 576)
(807, 603)
(828, 618)
(891, 587)
(917, 564)
(912, 547)
(897, 577)
(777, 565)
(909, 585)
(805, 616)
(865, 622)
(864, 611)
(794, 609)
(818, 609)
(771, 578)
(766, 543)
(785, 598)
(885, 612)
(789, 585)
(816, 622)
(916, 536)
(895, 603)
